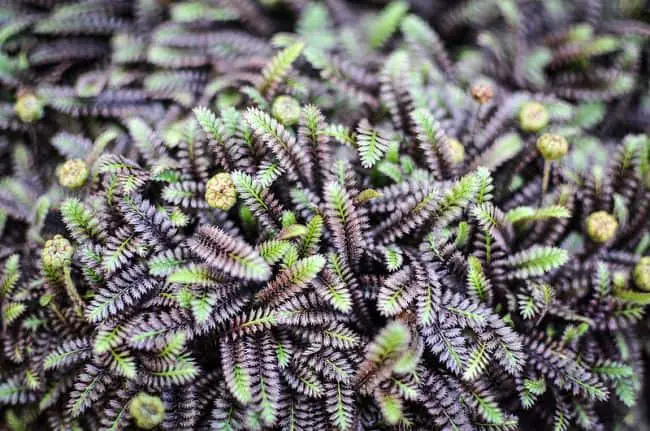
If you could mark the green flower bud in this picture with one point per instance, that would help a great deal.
(148, 411)
(56, 253)
(220, 192)
(482, 92)
(620, 279)
(456, 151)
(286, 110)
(642, 273)
(28, 107)
(73, 173)
(552, 147)
(601, 226)
(533, 117)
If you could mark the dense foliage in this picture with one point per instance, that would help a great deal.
(304, 215)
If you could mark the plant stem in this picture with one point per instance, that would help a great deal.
(545, 180)
(71, 290)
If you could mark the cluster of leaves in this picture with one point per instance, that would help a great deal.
(392, 259)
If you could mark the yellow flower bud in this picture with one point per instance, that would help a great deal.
(73, 173)
(642, 273)
(148, 411)
(552, 147)
(28, 107)
(533, 117)
(286, 110)
(56, 253)
(601, 226)
(456, 151)
(220, 192)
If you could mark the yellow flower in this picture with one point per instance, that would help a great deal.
(286, 110)
(28, 107)
(73, 173)
(148, 411)
(642, 273)
(56, 253)
(220, 192)
(601, 226)
(533, 117)
(456, 151)
(552, 147)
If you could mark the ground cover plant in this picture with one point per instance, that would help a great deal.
(324, 215)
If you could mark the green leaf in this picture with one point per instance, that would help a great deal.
(489, 409)
(304, 270)
(191, 11)
(193, 275)
(124, 364)
(273, 250)
(391, 408)
(267, 174)
(535, 261)
(274, 72)
(174, 346)
(10, 275)
(310, 240)
(456, 198)
(476, 279)
(633, 297)
(390, 343)
(371, 144)
(106, 340)
(391, 170)
(386, 23)
(342, 417)
(161, 266)
(241, 386)
(462, 234)
(614, 370)
(478, 361)
(503, 149)
(393, 258)
(589, 114)
(249, 188)
(209, 122)
(408, 362)
(291, 232)
(12, 311)
(183, 370)
(527, 214)
(202, 307)
(79, 220)
(532, 389)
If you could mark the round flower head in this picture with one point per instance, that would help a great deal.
(286, 110)
(73, 173)
(28, 107)
(482, 92)
(220, 192)
(456, 151)
(601, 226)
(148, 411)
(642, 273)
(57, 252)
(552, 147)
(533, 117)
